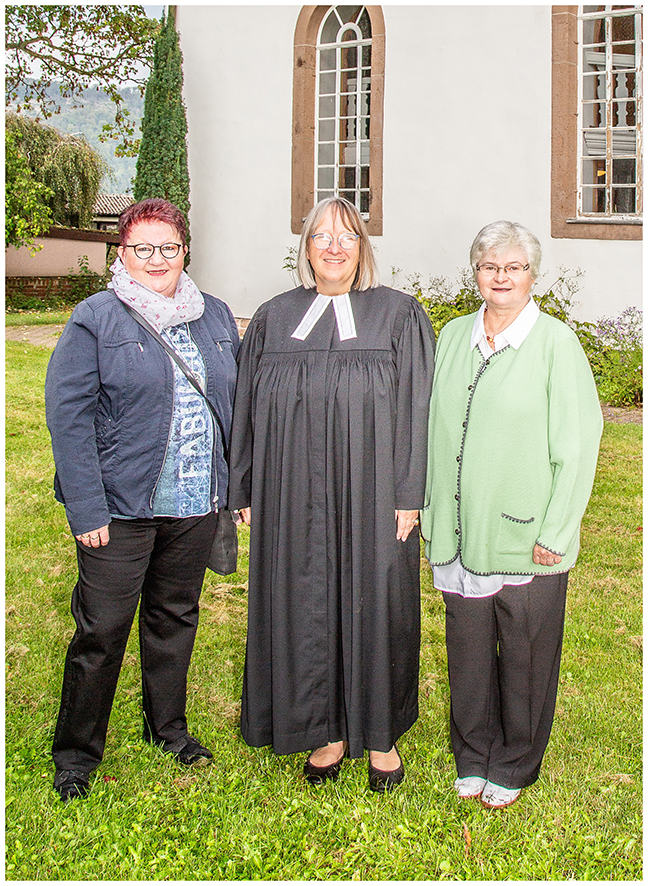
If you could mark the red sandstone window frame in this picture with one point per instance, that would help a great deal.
(565, 222)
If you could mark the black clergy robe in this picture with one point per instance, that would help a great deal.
(329, 438)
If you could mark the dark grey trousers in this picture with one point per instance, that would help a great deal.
(163, 562)
(503, 665)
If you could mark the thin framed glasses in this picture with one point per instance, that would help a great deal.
(345, 241)
(145, 250)
(511, 270)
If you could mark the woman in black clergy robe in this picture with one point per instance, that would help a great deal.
(328, 469)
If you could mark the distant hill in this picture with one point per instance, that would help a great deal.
(96, 111)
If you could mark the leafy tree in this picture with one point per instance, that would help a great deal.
(26, 212)
(66, 164)
(162, 162)
(77, 47)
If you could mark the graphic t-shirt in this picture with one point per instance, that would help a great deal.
(184, 487)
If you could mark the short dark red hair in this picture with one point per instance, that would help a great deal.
(152, 209)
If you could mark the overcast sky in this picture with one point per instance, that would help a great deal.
(154, 11)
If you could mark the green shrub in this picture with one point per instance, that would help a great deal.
(80, 285)
(19, 302)
(613, 347)
(617, 361)
(290, 264)
(85, 282)
(439, 300)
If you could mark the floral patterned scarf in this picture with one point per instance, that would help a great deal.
(161, 312)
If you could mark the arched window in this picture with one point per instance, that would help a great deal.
(343, 104)
(338, 110)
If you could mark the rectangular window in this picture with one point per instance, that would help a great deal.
(610, 66)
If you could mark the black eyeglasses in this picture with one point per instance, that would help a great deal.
(145, 250)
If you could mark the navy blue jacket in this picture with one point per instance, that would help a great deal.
(109, 402)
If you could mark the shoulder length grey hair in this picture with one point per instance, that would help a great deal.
(367, 274)
(499, 237)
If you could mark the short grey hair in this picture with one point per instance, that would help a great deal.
(501, 236)
(367, 274)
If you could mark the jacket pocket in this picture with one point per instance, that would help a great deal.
(516, 535)
(120, 341)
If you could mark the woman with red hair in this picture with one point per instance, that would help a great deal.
(140, 462)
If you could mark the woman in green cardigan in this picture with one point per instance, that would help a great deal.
(515, 425)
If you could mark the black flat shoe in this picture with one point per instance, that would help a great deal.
(317, 775)
(71, 784)
(186, 750)
(385, 781)
(192, 753)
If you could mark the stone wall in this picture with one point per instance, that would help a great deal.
(41, 288)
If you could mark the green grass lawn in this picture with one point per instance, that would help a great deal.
(38, 318)
(251, 815)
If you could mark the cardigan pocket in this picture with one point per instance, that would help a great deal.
(516, 535)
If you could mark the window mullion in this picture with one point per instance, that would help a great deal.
(581, 124)
(358, 129)
(639, 110)
(609, 93)
(338, 115)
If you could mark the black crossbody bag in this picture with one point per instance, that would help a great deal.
(224, 552)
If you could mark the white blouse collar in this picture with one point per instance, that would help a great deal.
(513, 335)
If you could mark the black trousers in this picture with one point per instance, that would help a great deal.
(503, 665)
(163, 562)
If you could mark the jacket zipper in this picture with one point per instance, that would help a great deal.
(211, 418)
(166, 448)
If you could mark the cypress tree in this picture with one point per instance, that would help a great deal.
(162, 162)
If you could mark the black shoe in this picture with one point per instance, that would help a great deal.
(70, 784)
(191, 752)
(385, 781)
(317, 775)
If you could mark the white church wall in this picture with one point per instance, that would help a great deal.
(465, 131)
(467, 140)
(238, 93)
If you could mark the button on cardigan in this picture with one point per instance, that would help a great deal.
(513, 449)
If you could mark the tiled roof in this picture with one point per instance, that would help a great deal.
(112, 204)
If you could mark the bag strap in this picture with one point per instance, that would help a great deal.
(175, 356)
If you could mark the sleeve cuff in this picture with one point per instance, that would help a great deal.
(87, 515)
(551, 550)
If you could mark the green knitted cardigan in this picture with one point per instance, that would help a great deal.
(513, 444)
